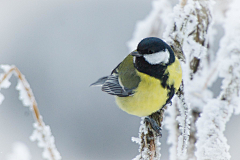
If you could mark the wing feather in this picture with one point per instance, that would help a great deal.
(100, 81)
(113, 87)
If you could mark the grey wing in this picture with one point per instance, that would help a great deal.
(113, 87)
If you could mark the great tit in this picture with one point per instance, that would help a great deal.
(146, 79)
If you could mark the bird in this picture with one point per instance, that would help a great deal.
(146, 80)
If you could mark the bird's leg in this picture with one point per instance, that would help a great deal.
(154, 125)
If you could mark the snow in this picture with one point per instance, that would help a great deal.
(184, 127)
(188, 27)
(6, 68)
(229, 57)
(1, 98)
(4, 79)
(220, 9)
(20, 152)
(23, 95)
(5, 83)
(171, 125)
(43, 135)
(178, 124)
(212, 144)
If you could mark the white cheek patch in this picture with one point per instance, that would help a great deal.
(157, 58)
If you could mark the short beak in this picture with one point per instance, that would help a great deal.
(136, 53)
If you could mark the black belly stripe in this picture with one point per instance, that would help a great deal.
(171, 92)
(158, 71)
(164, 80)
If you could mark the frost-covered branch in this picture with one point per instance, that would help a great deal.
(42, 132)
(173, 128)
(184, 124)
(188, 36)
(148, 140)
(229, 58)
(212, 144)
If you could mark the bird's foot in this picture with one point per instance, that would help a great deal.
(154, 125)
(170, 102)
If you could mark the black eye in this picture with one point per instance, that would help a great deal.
(150, 51)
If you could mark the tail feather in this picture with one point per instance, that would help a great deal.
(99, 82)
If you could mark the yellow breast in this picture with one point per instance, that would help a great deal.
(150, 96)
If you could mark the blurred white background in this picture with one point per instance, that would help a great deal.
(62, 47)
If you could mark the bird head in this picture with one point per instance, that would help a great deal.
(154, 51)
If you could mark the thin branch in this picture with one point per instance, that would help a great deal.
(148, 139)
(184, 124)
(54, 154)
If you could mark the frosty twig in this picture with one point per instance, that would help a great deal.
(42, 133)
(149, 145)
